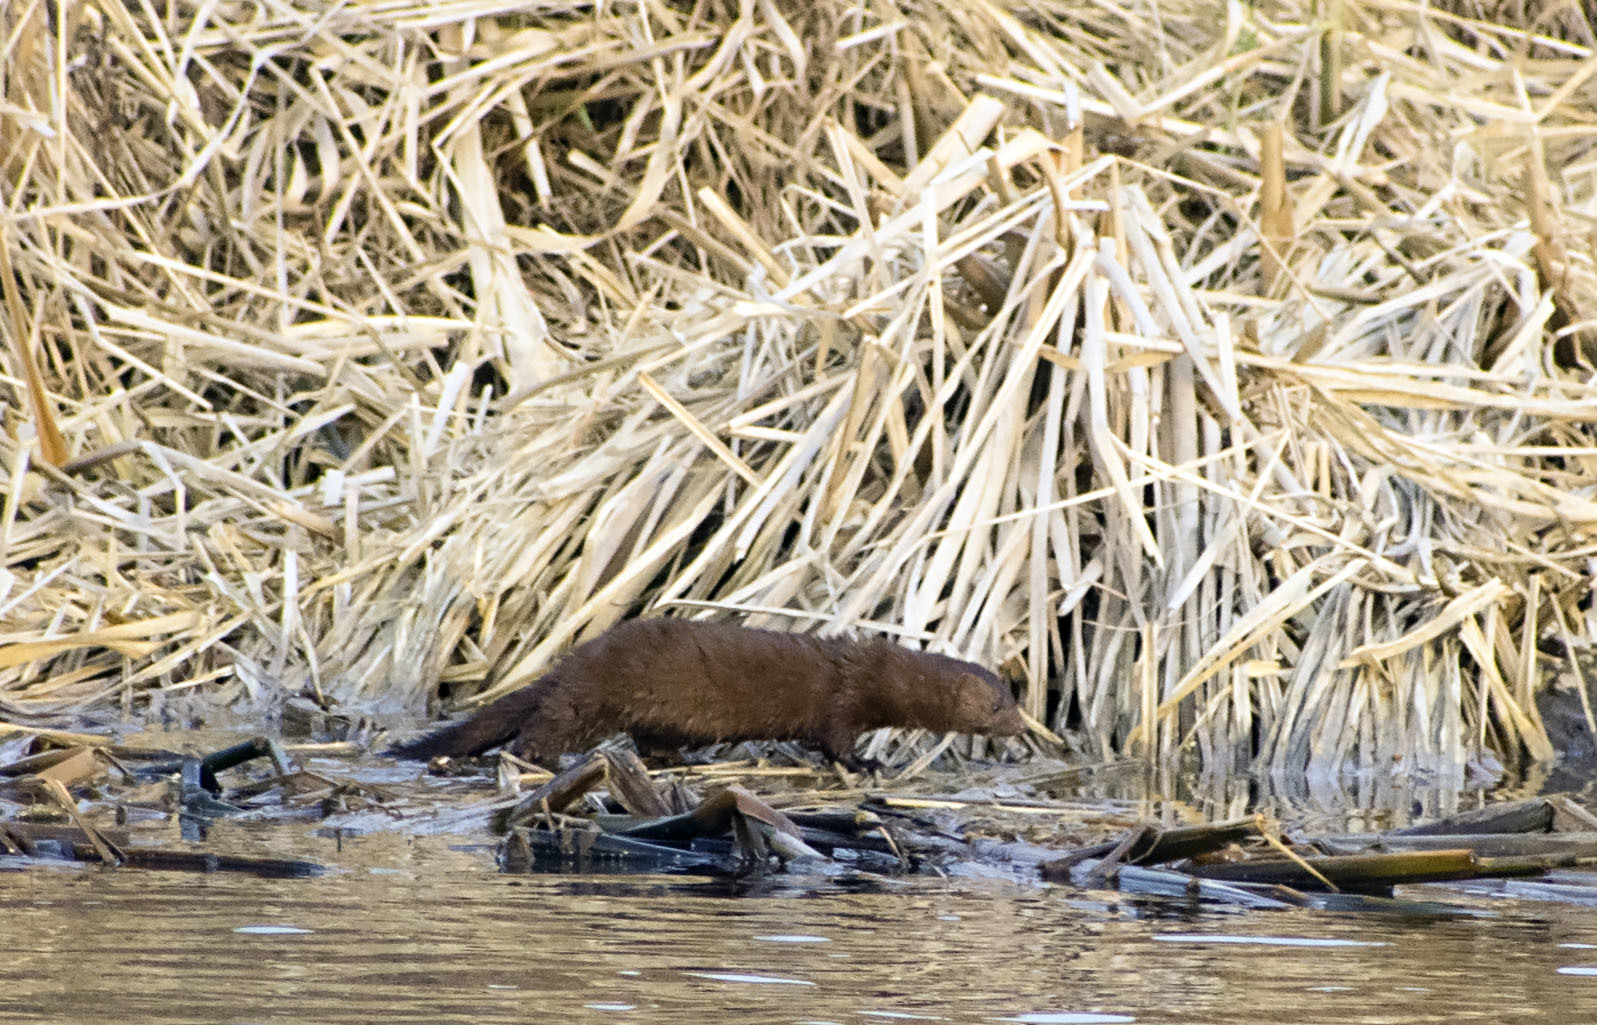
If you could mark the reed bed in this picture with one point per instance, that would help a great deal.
(1226, 371)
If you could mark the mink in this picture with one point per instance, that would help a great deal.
(674, 683)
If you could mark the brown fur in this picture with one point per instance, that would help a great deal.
(678, 682)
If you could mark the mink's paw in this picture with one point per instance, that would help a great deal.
(856, 764)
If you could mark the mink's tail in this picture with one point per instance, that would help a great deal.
(475, 734)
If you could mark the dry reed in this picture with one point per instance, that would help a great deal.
(1227, 367)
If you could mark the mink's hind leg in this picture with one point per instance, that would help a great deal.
(555, 728)
(537, 743)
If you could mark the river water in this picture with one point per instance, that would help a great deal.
(425, 929)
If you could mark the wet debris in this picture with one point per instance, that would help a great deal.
(51, 797)
(1249, 862)
(46, 842)
(655, 829)
(72, 798)
(605, 814)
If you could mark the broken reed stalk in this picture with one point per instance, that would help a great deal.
(411, 341)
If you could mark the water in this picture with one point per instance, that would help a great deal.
(425, 930)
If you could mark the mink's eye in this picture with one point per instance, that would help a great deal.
(997, 705)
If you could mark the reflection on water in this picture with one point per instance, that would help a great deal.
(1354, 803)
(412, 930)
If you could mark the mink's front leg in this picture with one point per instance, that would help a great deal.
(838, 746)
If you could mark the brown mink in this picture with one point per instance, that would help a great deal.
(679, 682)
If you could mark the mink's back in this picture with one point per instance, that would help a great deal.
(670, 682)
(706, 680)
(676, 682)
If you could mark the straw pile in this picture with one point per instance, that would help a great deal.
(1225, 369)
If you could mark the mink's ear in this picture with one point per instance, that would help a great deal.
(979, 693)
(980, 680)
(992, 697)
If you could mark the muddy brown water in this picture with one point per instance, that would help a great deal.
(424, 929)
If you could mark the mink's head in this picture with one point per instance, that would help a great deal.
(982, 704)
(943, 693)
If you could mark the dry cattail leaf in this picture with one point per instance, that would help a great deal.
(416, 343)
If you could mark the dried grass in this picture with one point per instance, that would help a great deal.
(364, 348)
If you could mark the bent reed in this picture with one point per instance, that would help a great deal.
(1226, 369)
